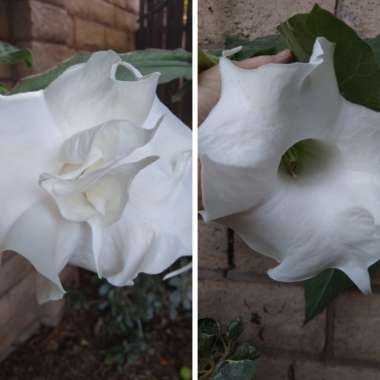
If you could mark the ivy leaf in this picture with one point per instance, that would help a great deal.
(208, 334)
(246, 351)
(357, 71)
(234, 329)
(10, 55)
(267, 45)
(236, 369)
(172, 64)
(322, 289)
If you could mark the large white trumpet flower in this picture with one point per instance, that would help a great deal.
(324, 212)
(95, 172)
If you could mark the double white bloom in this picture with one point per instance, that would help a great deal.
(327, 214)
(95, 172)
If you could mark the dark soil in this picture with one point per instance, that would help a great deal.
(74, 351)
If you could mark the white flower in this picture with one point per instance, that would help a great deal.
(325, 212)
(96, 173)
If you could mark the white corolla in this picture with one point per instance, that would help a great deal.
(323, 212)
(95, 172)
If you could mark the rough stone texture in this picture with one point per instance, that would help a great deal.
(357, 327)
(99, 10)
(320, 371)
(274, 368)
(41, 21)
(212, 246)
(126, 20)
(247, 260)
(12, 271)
(116, 39)
(247, 18)
(363, 16)
(4, 21)
(273, 314)
(89, 35)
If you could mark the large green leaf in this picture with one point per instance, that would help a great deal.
(172, 64)
(236, 369)
(267, 45)
(321, 290)
(206, 60)
(10, 55)
(357, 71)
(358, 76)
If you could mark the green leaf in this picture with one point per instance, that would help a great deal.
(208, 333)
(246, 351)
(322, 289)
(10, 55)
(356, 69)
(172, 64)
(237, 370)
(206, 60)
(267, 45)
(374, 44)
(234, 329)
(3, 89)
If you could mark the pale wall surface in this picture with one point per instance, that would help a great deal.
(342, 343)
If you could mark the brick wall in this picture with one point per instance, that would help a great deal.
(53, 30)
(342, 342)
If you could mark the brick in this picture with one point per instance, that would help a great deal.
(363, 16)
(273, 314)
(6, 71)
(247, 260)
(357, 326)
(41, 21)
(126, 20)
(117, 40)
(250, 19)
(89, 35)
(24, 312)
(274, 368)
(51, 313)
(212, 246)
(45, 56)
(320, 371)
(4, 24)
(13, 269)
(94, 10)
(130, 5)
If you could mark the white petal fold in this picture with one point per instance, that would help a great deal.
(326, 216)
(95, 172)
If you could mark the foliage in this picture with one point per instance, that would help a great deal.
(172, 64)
(221, 357)
(127, 315)
(11, 55)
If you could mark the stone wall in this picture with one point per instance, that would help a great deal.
(342, 342)
(53, 30)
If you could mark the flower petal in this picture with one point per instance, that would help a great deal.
(29, 145)
(47, 241)
(329, 218)
(103, 192)
(256, 121)
(155, 228)
(89, 94)
(109, 141)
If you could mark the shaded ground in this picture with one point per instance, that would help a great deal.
(77, 349)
